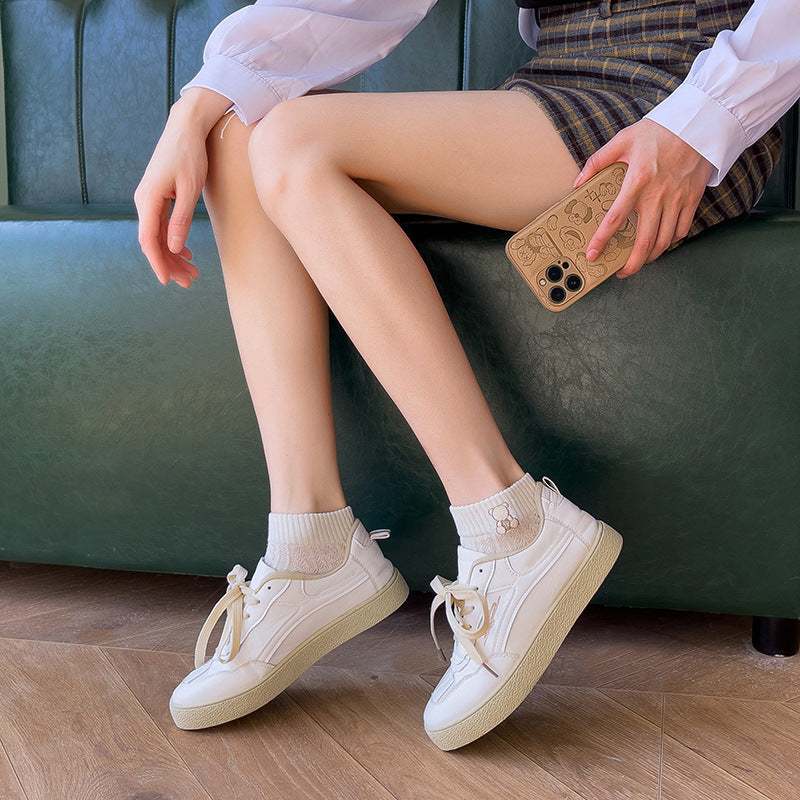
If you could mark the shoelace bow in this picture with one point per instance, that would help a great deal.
(233, 601)
(456, 599)
(237, 595)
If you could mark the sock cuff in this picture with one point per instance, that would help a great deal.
(475, 518)
(314, 528)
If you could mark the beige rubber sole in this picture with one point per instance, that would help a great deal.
(363, 616)
(574, 597)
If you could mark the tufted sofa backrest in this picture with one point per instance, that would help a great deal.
(88, 84)
(3, 164)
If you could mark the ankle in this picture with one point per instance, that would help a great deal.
(483, 480)
(312, 543)
(305, 499)
(502, 523)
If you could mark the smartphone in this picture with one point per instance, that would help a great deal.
(550, 252)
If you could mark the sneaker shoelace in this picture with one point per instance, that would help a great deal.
(459, 600)
(237, 595)
(456, 599)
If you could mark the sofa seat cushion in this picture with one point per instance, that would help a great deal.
(665, 404)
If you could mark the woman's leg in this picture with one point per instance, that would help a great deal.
(323, 579)
(281, 326)
(329, 168)
(326, 171)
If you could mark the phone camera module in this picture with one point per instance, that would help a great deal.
(557, 294)
(555, 273)
(573, 282)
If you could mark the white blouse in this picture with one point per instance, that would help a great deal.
(278, 49)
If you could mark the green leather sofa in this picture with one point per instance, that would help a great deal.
(666, 404)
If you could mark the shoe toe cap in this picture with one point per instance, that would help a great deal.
(214, 682)
(458, 694)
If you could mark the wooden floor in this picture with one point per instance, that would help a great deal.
(637, 704)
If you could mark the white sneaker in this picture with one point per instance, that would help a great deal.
(291, 621)
(510, 614)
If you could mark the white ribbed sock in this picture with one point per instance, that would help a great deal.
(503, 523)
(313, 543)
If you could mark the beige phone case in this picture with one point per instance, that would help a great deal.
(550, 252)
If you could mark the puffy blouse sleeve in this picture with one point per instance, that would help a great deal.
(274, 50)
(738, 88)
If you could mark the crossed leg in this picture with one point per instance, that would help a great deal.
(301, 208)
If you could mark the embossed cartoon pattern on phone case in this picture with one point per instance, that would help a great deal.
(562, 233)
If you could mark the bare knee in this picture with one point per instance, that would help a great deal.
(289, 155)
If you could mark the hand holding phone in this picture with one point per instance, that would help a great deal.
(550, 252)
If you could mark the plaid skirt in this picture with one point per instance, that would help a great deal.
(602, 65)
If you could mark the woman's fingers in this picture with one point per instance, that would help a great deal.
(664, 184)
(168, 193)
(646, 234)
(166, 254)
(177, 230)
(182, 267)
(180, 220)
(627, 200)
(685, 219)
(611, 152)
(617, 149)
(182, 279)
(150, 210)
(656, 232)
(666, 231)
(191, 269)
(154, 219)
(182, 271)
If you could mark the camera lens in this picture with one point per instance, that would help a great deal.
(555, 273)
(557, 294)
(573, 282)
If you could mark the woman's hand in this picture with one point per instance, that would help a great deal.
(176, 172)
(664, 183)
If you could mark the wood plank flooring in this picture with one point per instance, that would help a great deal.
(637, 705)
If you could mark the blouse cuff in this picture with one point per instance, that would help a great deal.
(704, 124)
(252, 95)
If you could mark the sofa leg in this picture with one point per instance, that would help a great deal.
(775, 636)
